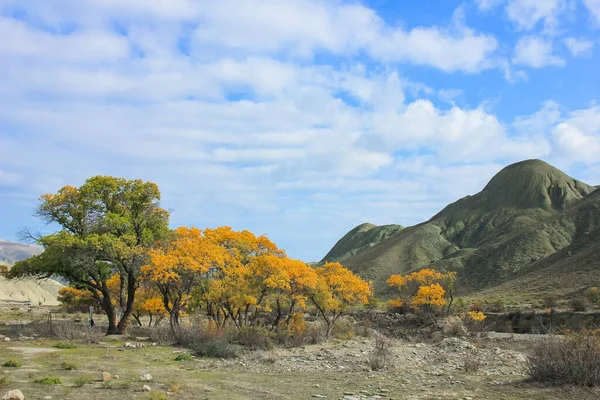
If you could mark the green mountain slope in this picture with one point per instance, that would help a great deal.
(358, 239)
(527, 212)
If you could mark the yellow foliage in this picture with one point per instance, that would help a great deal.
(430, 295)
(395, 303)
(477, 316)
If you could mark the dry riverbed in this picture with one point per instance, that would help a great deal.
(333, 370)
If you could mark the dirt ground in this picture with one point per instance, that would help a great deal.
(337, 369)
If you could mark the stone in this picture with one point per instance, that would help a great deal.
(14, 395)
(146, 378)
(116, 376)
(106, 376)
(6, 339)
(319, 396)
(146, 388)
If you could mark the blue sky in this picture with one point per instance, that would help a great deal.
(300, 118)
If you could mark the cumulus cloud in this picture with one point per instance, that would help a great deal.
(527, 13)
(579, 46)
(593, 7)
(536, 52)
(299, 110)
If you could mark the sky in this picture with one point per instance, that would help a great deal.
(298, 119)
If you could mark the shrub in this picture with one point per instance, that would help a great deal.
(254, 338)
(459, 306)
(344, 329)
(379, 357)
(49, 380)
(476, 306)
(573, 359)
(65, 345)
(12, 364)
(217, 348)
(471, 363)
(593, 295)
(82, 380)
(578, 305)
(4, 381)
(70, 331)
(184, 357)
(549, 302)
(68, 366)
(497, 306)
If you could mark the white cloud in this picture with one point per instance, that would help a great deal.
(593, 7)
(535, 52)
(575, 144)
(487, 5)
(527, 13)
(579, 46)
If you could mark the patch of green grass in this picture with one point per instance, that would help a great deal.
(65, 345)
(156, 396)
(68, 366)
(184, 357)
(116, 385)
(82, 380)
(12, 364)
(49, 380)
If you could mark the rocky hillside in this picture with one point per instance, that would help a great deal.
(35, 291)
(526, 213)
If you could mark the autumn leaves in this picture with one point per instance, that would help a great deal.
(245, 279)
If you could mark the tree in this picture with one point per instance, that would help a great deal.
(180, 266)
(75, 299)
(423, 290)
(336, 291)
(108, 225)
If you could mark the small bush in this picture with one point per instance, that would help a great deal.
(459, 306)
(593, 295)
(471, 364)
(550, 302)
(68, 366)
(216, 348)
(254, 338)
(476, 306)
(174, 387)
(12, 364)
(497, 306)
(184, 357)
(379, 357)
(578, 305)
(573, 359)
(82, 380)
(343, 329)
(4, 381)
(71, 331)
(156, 396)
(49, 380)
(65, 345)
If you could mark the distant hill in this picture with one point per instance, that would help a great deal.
(36, 292)
(358, 239)
(526, 213)
(11, 252)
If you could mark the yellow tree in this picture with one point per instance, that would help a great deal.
(425, 289)
(336, 291)
(180, 266)
(75, 299)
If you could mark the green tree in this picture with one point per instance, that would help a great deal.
(107, 227)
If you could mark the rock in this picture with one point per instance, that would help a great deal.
(146, 378)
(146, 388)
(6, 339)
(48, 398)
(106, 376)
(14, 395)
(116, 376)
(319, 396)
(129, 345)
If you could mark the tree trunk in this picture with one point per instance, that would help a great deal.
(174, 320)
(109, 309)
(124, 322)
(449, 305)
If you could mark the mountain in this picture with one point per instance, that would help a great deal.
(43, 291)
(11, 252)
(526, 213)
(358, 239)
